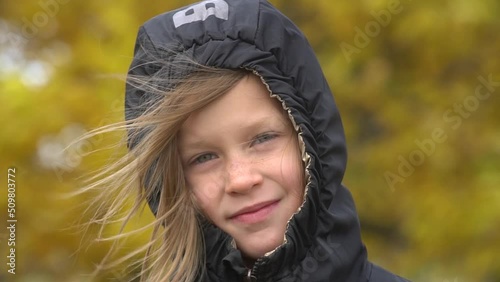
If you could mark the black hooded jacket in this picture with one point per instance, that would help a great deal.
(323, 241)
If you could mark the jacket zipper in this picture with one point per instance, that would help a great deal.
(250, 277)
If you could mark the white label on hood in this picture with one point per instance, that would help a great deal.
(201, 11)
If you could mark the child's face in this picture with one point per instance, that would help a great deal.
(241, 160)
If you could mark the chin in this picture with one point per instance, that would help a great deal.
(257, 246)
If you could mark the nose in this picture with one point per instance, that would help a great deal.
(242, 176)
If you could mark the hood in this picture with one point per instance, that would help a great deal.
(323, 238)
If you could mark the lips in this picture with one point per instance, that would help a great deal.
(255, 213)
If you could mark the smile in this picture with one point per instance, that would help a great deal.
(255, 213)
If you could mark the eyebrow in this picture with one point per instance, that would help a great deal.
(252, 125)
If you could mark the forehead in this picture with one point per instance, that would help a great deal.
(247, 104)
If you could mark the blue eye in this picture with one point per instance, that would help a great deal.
(264, 138)
(204, 158)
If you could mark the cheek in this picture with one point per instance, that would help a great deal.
(295, 180)
(206, 195)
(293, 173)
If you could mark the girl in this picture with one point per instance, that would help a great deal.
(237, 146)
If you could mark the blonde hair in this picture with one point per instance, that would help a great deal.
(175, 251)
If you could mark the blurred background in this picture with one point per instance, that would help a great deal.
(417, 84)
